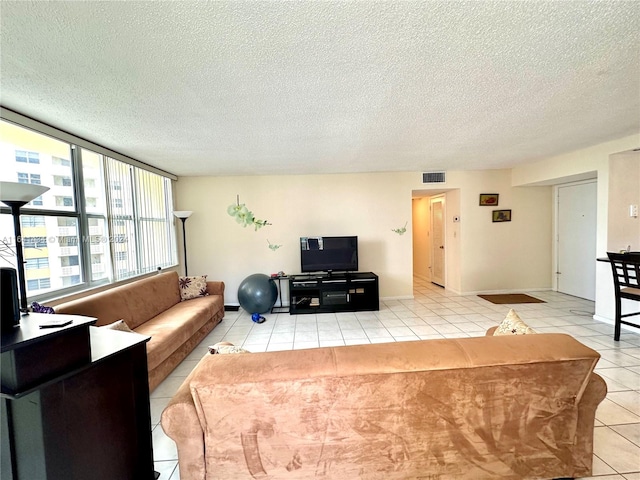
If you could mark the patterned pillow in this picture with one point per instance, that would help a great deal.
(513, 325)
(193, 287)
(37, 308)
(225, 347)
(118, 325)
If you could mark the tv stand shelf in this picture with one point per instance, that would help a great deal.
(333, 292)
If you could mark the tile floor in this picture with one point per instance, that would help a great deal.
(436, 313)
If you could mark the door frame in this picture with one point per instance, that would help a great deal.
(556, 226)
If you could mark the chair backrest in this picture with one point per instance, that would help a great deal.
(626, 269)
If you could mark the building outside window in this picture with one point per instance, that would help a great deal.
(70, 242)
(34, 242)
(38, 284)
(27, 157)
(62, 180)
(65, 162)
(37, 263)
(32, 221)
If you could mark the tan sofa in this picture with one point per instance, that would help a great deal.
(152, 306)
(508, 407)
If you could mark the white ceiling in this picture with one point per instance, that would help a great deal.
(227, 88)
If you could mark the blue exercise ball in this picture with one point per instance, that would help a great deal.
(257, 293)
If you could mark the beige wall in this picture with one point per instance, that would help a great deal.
(506, 256)
(454, 254)
(366, 205)
(592, 162)
(481, 256)
(624, 190)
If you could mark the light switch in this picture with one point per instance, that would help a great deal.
(633, 211)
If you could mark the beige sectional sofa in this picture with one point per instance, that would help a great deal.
(152, 306)
(505, 407)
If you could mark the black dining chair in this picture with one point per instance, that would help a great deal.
(626, 278)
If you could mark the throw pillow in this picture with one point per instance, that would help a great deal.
(513, 325)
(118, 325)
(37, 308)
(192, 287)
(225, 347)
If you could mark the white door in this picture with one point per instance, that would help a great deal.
(437, 240)
(577, 239)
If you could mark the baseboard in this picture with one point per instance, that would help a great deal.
(401, 297)
(501, 292)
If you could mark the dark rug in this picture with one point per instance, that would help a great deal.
(511, 298)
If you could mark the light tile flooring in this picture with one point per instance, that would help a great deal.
(436, 313)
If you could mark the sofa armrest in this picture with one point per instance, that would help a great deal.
(215, 288)
(490, 332)
(180, 422)
(594, 394)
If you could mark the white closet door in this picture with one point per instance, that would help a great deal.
(577, 205)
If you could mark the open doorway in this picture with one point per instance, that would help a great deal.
(429, 237)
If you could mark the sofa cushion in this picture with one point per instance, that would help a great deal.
(134, 302)
(193, 287)
(513, 325)
(173, 327)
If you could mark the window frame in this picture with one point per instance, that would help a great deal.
(78, 210)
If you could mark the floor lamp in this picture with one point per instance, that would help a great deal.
(15, 195)
(183, 215)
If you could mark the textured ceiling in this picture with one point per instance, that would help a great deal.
(226, 88)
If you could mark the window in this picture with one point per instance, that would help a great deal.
(68, 241)
(67, 222)
(32, 221)
(65, 162)
(121, 225)
(27, 157)
(33, 178)
(70, 280)
(38, 284)
(35, 263)
(70, 261)
(62, 181)
(64, 202)
(34, 242)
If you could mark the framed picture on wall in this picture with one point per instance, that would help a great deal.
(501, 216)
(488, 199)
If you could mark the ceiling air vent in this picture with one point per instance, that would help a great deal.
(434, 177)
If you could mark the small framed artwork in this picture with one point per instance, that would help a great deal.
(501, 216)
(488, 199)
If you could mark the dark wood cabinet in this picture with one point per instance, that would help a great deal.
(90, 422)
(338, 292)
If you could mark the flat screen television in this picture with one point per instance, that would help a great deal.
(328, 254)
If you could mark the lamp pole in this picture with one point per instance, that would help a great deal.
(22, 284)
(183, 215)
(15, 195)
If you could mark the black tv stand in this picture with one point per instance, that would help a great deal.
(333, 292)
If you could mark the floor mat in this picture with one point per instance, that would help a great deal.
(511, 298)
